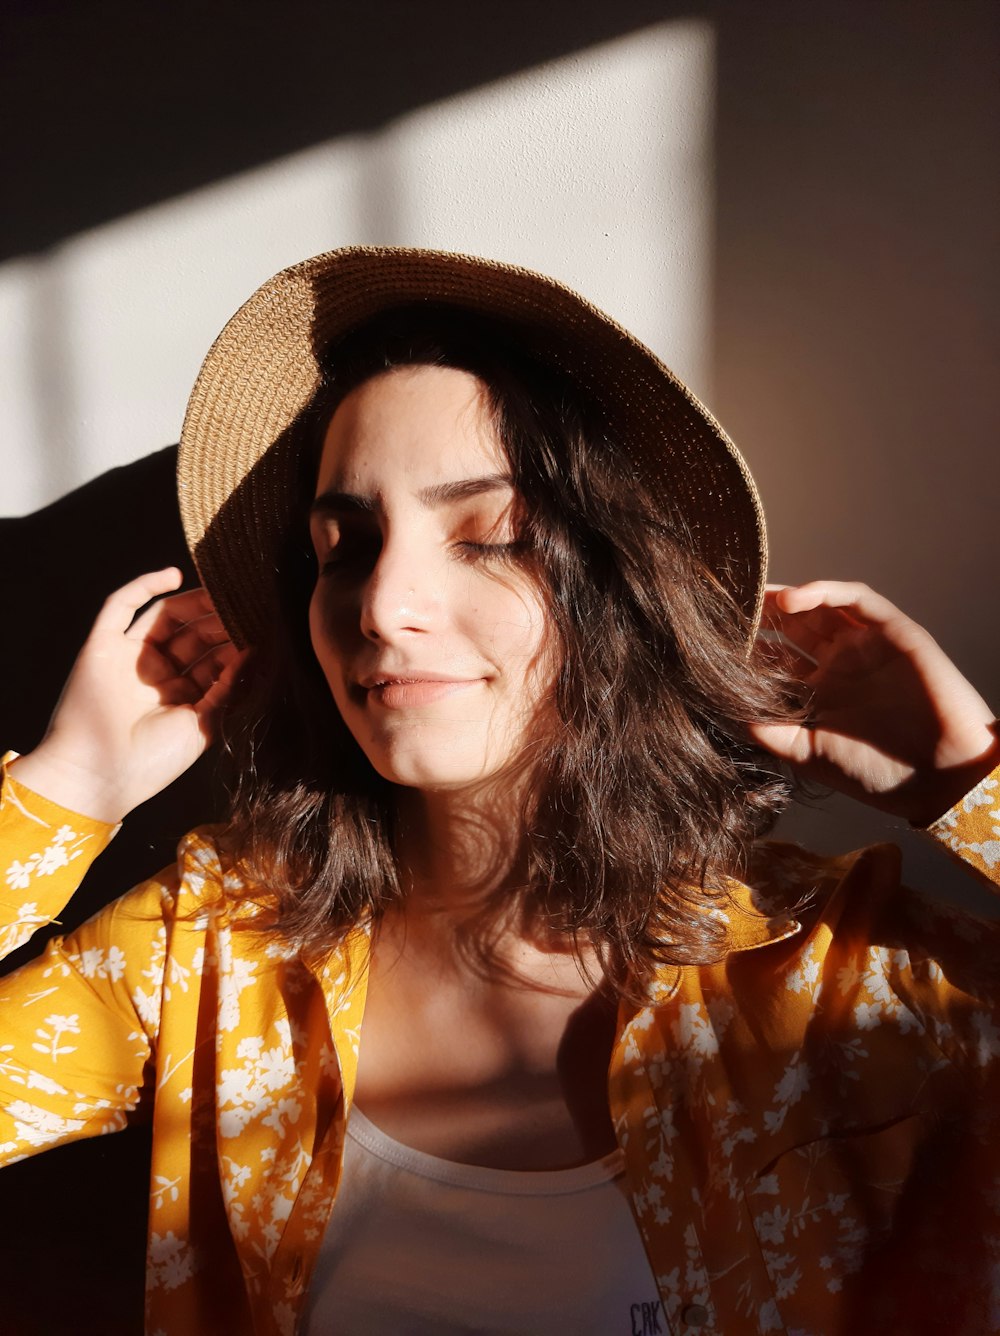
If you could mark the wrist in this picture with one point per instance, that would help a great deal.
(954, 783)
(69, 784)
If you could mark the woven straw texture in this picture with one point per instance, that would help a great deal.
(239, 461)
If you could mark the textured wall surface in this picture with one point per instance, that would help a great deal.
(596, 167)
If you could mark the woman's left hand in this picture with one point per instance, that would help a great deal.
(892, 721)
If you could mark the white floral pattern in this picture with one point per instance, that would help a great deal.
(773, 1109)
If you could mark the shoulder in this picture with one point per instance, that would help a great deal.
(207, 879)
(861, 930)
(787, 888)
(166, 931)
(782, 871)
(824, 903)
(201, 885)
(201, 868)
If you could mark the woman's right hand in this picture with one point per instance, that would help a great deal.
(141, 703)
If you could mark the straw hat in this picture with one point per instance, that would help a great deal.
(238, 469)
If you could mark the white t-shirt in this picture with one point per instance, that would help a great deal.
(418, 1246)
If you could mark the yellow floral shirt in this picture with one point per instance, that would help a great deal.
(810, 1127)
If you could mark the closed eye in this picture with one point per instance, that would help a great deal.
(491, 551)
(350, 552)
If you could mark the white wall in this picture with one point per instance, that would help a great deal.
(596, 168)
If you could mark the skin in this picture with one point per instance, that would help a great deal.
(416, 584)
(410, 594)
(141, 703)
(893, 722)
(432, 639)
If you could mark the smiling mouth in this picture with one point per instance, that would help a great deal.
(398, 693)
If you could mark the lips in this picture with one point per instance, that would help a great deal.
(405, 677)
(413, 688)
(401, 693)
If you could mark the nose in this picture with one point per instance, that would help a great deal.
(401, 593)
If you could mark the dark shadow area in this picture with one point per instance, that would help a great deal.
(80, 1211)
(118, 105)
(73, 1260)
(62, 562)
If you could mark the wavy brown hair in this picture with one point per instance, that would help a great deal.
(646, 797)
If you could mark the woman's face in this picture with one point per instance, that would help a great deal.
(434, 641)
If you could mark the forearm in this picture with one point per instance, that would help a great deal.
(945, 790)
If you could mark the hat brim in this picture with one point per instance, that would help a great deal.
(239, 465)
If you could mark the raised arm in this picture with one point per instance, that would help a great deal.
(80, 1023)
(140, 706)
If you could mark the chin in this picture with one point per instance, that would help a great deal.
(408, 773)
(428, 767)
(434, 755)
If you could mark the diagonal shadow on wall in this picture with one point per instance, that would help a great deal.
(119, 105)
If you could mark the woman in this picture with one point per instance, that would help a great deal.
(499, 737)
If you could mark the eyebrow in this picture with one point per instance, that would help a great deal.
(440, 494)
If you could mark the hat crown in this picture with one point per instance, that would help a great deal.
(240, 459)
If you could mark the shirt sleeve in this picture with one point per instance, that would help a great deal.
(45, 850)
(897, 958)
(970, 830)
(78, 1024)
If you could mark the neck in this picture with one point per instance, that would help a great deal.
(457, 849)
(458, 853)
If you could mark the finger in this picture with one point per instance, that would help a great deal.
(165, 617)
(787, 601)
(809, 631)
(192, 641)
(206, 670)
(851, 597)
(120, 607)
(178, 689)
(820, 612)
(159, 662)
(790, 742)
(210, 705)
(198, 684)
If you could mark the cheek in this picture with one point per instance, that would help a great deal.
(542, 648)
(324, 634)
(519, 636)
(317, 629)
